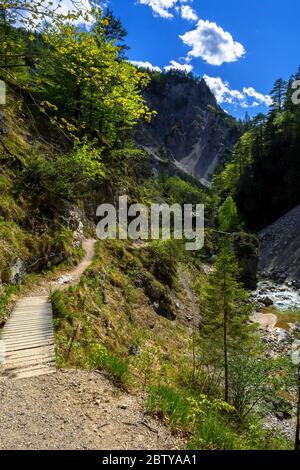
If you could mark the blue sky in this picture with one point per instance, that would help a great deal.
(240, 46)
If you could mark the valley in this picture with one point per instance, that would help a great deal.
(151, 343)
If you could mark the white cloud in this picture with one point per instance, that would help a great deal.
(210, 42)
(188, 13)
(145, 65)
(259, 97)
(160, 7)
(166, 8)
(177, 66)
(248, 98)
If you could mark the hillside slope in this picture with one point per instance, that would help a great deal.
(280, 247)
(191, 131)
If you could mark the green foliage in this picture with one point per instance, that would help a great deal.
(181, 192)
(77, 82)
(251, 380)
(203, 420)
(212, 433)
(228, 216)
(225, 314)
(13, 245)
(210, 424)
(264, 174)
(166, 402)
(116, 367)
(59, 308)
(224, 293)
(68, 176)
(115, 32)
(85, 85)
(86, 91)
(163, 257)
(6, 292)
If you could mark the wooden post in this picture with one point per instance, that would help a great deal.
(77, 329)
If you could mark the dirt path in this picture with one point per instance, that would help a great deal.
(76, 410)
(28, 334)
(265, 320)
(70, 277)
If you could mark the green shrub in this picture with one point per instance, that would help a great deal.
(116, 367)
(6, 291)
(166, 403)
(58, 305)
(203, 420)
(210, 424)
(211, 432)
(163, 257)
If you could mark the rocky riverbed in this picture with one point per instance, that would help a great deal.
(281, 299)
(284, 297)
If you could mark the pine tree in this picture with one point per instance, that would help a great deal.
(225, 314)
(278, 94)
(115, 32)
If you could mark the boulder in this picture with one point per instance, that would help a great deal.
(73, 217)
(18, 271)
(266, 301)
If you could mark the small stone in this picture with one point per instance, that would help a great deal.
(133, 350)
(123, 407)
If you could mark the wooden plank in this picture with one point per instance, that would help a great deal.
(29, 339)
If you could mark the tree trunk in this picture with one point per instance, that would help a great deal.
(226, 392)
(226, 385)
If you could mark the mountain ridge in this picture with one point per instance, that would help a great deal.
(191, 132)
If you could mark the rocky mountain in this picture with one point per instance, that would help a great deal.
(280, 248)
(191, 133)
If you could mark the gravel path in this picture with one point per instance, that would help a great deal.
(69, 278)
(75, 409)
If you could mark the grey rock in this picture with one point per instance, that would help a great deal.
(267, 301)
(295, 328)
(65, 279)
(73, 217)
(280, 249)
(18, 271)
(191, 133)
(133, 350)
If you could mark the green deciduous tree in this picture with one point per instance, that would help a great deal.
(228, 216)
(87, 86)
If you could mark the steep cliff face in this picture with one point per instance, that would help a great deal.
(190, 131)
(280, 248)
